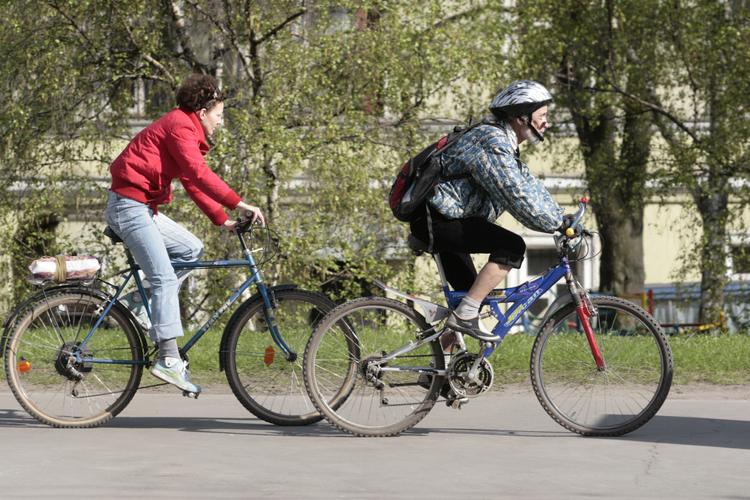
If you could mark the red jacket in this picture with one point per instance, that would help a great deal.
(172, 147)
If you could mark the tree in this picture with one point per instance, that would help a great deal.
(593, 49)
(327, 100)
(702, 117)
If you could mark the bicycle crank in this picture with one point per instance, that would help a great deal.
(468, 375)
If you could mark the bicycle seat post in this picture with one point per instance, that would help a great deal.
(419, 247)
(441, 272)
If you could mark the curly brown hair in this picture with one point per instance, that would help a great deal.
(199, 91)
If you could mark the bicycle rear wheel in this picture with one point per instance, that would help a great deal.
(621, 397)
(58, 381)
(262, 378)
(341, 374)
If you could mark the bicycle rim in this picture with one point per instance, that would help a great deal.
(47, 380)
(617, 399)
(261, 376)
(363, 401)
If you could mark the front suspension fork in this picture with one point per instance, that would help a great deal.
(585, 310)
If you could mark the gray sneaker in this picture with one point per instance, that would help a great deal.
(174, 371)
(472, 327)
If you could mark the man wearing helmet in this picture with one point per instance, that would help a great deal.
(459, 217)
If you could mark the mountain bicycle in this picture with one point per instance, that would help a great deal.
(600, 366)
(74, 353)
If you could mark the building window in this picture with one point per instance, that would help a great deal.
(740, 260)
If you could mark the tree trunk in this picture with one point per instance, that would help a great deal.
(617, 189)
(273, 184)
(713, 206)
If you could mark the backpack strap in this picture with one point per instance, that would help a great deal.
(431, 241)
(452, 140)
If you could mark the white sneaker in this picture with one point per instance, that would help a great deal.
(134, 302)
(174, 371)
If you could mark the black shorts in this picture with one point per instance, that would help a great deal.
(456, 239)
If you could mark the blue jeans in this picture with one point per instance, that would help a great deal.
(155, 241)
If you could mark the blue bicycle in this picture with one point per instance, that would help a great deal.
(600, 366)
(74, 354)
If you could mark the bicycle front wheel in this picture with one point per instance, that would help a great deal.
(349, 384)
(263, 378)
(616, 399)
(61, 382)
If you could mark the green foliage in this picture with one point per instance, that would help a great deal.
(705, 49)
(326, 102)
(621, 67)
(596, 48)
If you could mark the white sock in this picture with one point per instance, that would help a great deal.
(468, 308)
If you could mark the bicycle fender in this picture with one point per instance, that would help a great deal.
(556, 305)
(12, 315)
(250, 302)
(15, 313)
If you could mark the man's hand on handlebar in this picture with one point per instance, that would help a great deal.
(567, 223)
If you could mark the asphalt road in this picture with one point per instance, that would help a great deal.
(502, 445)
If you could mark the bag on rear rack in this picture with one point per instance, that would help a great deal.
(64, 268)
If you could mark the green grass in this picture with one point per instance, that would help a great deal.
(721, 359)
(713, 359)
(701, 358)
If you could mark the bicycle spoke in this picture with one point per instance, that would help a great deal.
(55, 382)
(616, 399)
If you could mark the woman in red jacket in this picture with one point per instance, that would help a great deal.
(170, 148)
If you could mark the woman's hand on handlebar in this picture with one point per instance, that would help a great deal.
(251, 212)
(230, 225)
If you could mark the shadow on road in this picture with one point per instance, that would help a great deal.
(248, 426)
(693, 431)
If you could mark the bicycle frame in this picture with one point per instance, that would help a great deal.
(255, 278)
(521, 298)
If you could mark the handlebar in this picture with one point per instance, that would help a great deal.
(245, 224)
(570, 232)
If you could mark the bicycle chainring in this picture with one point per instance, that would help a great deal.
(458, 375)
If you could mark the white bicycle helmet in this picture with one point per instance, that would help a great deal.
(521, 98)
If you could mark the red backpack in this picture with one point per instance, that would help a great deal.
(417, 178)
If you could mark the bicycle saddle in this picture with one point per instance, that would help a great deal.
(110, 233)
(417, 246)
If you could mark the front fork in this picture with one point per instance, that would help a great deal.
(270, 304)
(585, 310)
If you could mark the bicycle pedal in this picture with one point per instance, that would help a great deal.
(457, 403)
(190, 394)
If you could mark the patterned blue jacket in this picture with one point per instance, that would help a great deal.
(498, 181)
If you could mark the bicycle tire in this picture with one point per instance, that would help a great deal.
(253, 360)
(40, 343)
(335, 368)
(614, 401)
